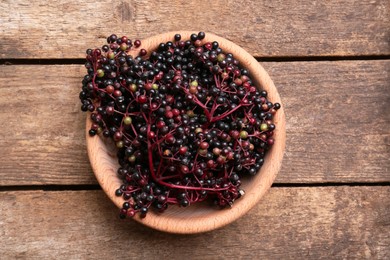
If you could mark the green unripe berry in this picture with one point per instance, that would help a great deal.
(127, 120)
(123, 46)
(221, 57)
(119, 144)
(263, 127)
(110, 55)
(198, 130)
(133, 88)
(193, 89)
(202, 151)
(243, 134)
(190, 113)
(100, 73)
(132, 158)
(194, 83)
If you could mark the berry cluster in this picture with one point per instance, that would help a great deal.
(186, 119)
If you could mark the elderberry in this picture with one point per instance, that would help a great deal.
(187, 120)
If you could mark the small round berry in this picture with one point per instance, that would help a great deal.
(110, 110)
(92, 132)
(252, 171)
(117, 93)
(118, 136)
(112, 38)
(142, 99)
(143, 211)
(270, 141)
(123, 46)
(204, 145)
(210, 164)
(198, 130)
(221, 159)
(132, 158)
(130, 213)
(202, 152)
(137, 43)
(234, 177)
(100, 73)
(216, 151)
(133, 88)
(184, 169)
(106, 133)
(118, 192)
(124, 38)
(194, 37)
(160, 124)
(97, 52)
(111, 55)
(168, 114)
(151, 134)
(263, 127)
(235, 134)
(243, 134)
(162, 198)
(221, 57)
(177, 37)
(184, 203)
(201, 35)
(142, 52)
(126, 205)
(183, 150)
(127, 120)
(175, 112)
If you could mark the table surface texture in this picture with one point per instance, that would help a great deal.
(330, 61)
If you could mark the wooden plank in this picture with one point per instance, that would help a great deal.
(310, 223)
(64, 29)
(337, 124)
(42, 138)
(338, 120)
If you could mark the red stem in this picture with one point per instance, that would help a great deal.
(170, 185)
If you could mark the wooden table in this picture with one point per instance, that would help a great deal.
(331, 63)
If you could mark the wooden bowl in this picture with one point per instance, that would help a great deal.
(198, 218)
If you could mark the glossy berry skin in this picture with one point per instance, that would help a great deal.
(194, 37)
(143, 52)
(177, 37)
(201, 35)
(137, 43)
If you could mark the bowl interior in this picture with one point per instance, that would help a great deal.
(199, 217)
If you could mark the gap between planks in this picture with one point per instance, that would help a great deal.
(275, 185)
(258, 58)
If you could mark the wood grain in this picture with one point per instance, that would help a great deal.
(64, 29)
(337, 123)
(338, 120)
(42, 134)
(290, 223)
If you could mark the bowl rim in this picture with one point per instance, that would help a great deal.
(105, 167)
